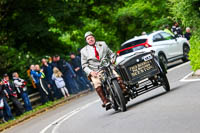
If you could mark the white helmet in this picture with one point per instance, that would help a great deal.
(89, 33)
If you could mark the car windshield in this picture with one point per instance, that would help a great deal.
(130, 44)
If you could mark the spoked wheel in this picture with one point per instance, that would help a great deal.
(165, 82)
(115, 106)
(186, 50)
(113, 102)
(118, 96)
(163, 61)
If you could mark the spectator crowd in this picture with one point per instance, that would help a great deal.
(177, 31)
(54, 79)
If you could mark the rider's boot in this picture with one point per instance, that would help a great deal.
(122, 85)
(102, 96)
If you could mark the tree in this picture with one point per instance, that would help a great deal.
(141, 15)
(43, 27)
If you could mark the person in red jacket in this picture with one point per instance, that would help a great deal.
(11, 94)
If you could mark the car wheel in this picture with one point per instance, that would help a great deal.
(186, 50)
(163, 61)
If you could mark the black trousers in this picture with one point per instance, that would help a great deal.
(45, 92)
(43, 95)
(45, 85)
(19, 109)
(1, 114)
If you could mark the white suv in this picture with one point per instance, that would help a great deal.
(167, 48)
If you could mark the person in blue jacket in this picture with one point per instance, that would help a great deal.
(36, 78)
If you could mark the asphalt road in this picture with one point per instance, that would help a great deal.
(153, 112)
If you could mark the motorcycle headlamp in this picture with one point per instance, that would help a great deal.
(105, 62)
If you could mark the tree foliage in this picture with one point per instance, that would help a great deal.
(46, 27)
(141, 15)
(188, 11)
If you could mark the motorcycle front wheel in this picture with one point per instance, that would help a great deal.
(118, 96)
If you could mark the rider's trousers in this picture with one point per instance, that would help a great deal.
(96, 80)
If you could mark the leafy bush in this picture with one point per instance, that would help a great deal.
(194, 54)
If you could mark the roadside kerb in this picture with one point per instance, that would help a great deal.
(29, 116)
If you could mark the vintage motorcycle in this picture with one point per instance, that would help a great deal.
(140, 73)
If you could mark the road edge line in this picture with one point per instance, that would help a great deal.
(74, 112)
(37, 113)
(184, 79)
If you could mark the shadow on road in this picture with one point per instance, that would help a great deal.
(145, 100)
(152, 97)
(129, 107)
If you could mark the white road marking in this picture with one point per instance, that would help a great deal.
(179, 66)
(188, 80)
(60, 120)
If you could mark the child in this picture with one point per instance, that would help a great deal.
(57, 77)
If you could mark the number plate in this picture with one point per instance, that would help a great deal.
(140, 68)
(147, 57)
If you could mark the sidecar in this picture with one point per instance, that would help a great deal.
(141, 72)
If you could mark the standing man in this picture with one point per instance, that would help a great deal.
(167, 30)
(177, 30)
(68, 74)
(36, 75)
(20, 85)
(91, 56)
(11, 94)
(188, 34)
(48, 72)
(4, 108)
(44, 84)
(76, 63)
(54, 61)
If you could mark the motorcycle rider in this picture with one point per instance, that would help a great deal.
(91, 56)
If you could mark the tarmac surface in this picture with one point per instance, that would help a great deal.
(153, 112)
